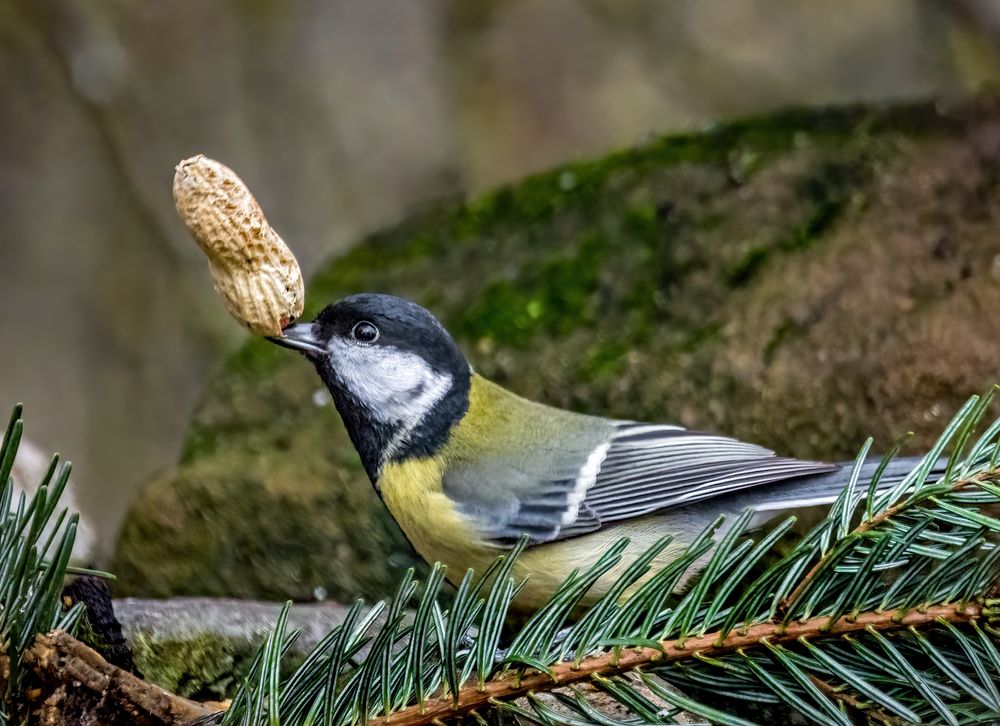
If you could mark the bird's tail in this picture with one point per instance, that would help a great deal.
(822, 489)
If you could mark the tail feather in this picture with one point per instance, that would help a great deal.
(822, 489)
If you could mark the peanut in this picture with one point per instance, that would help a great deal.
(252, 269)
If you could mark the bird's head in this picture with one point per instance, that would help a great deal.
(396, 376)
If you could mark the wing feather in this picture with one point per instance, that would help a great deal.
(607, 472)
(649, 468)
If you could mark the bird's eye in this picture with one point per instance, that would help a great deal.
(365, 332)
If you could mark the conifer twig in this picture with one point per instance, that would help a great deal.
(564, 674)
(869, 524)
(873, 714)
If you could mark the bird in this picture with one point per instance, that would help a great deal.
(468, 468)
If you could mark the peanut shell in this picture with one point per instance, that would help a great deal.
(254, 272)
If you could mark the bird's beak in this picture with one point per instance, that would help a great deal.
(300, 337)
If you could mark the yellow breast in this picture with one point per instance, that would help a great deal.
(438, 532)
(413, 492)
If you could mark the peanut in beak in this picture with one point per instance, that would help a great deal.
(254, 272)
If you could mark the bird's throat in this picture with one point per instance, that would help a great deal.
(379, 442)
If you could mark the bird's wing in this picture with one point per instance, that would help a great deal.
(648, 468)
(607, 473)
(538, 491)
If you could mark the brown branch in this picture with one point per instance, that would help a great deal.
(713, 644)
(61, 660)
(875, 521)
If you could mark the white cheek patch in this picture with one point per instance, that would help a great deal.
(396, 386)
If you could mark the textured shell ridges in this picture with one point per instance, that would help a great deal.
(252, 269)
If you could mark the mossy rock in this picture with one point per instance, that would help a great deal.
(202, 648)
(801, 280)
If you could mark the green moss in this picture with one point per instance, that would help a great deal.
(788, 331)
(205, 668)
(800, 237)
(829, 190)
(747, 265)
(201, 441)
(701, 336)
(606, 358)
(551, 296)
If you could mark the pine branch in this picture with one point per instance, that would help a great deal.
(876, 521)
(711, 645)
(36, 541)
(854, 705)
(32, 564)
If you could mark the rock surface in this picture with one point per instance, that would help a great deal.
(801, 280)
(200, 648)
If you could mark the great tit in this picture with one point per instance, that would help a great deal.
(466, 467)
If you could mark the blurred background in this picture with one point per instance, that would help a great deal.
(344, 116)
